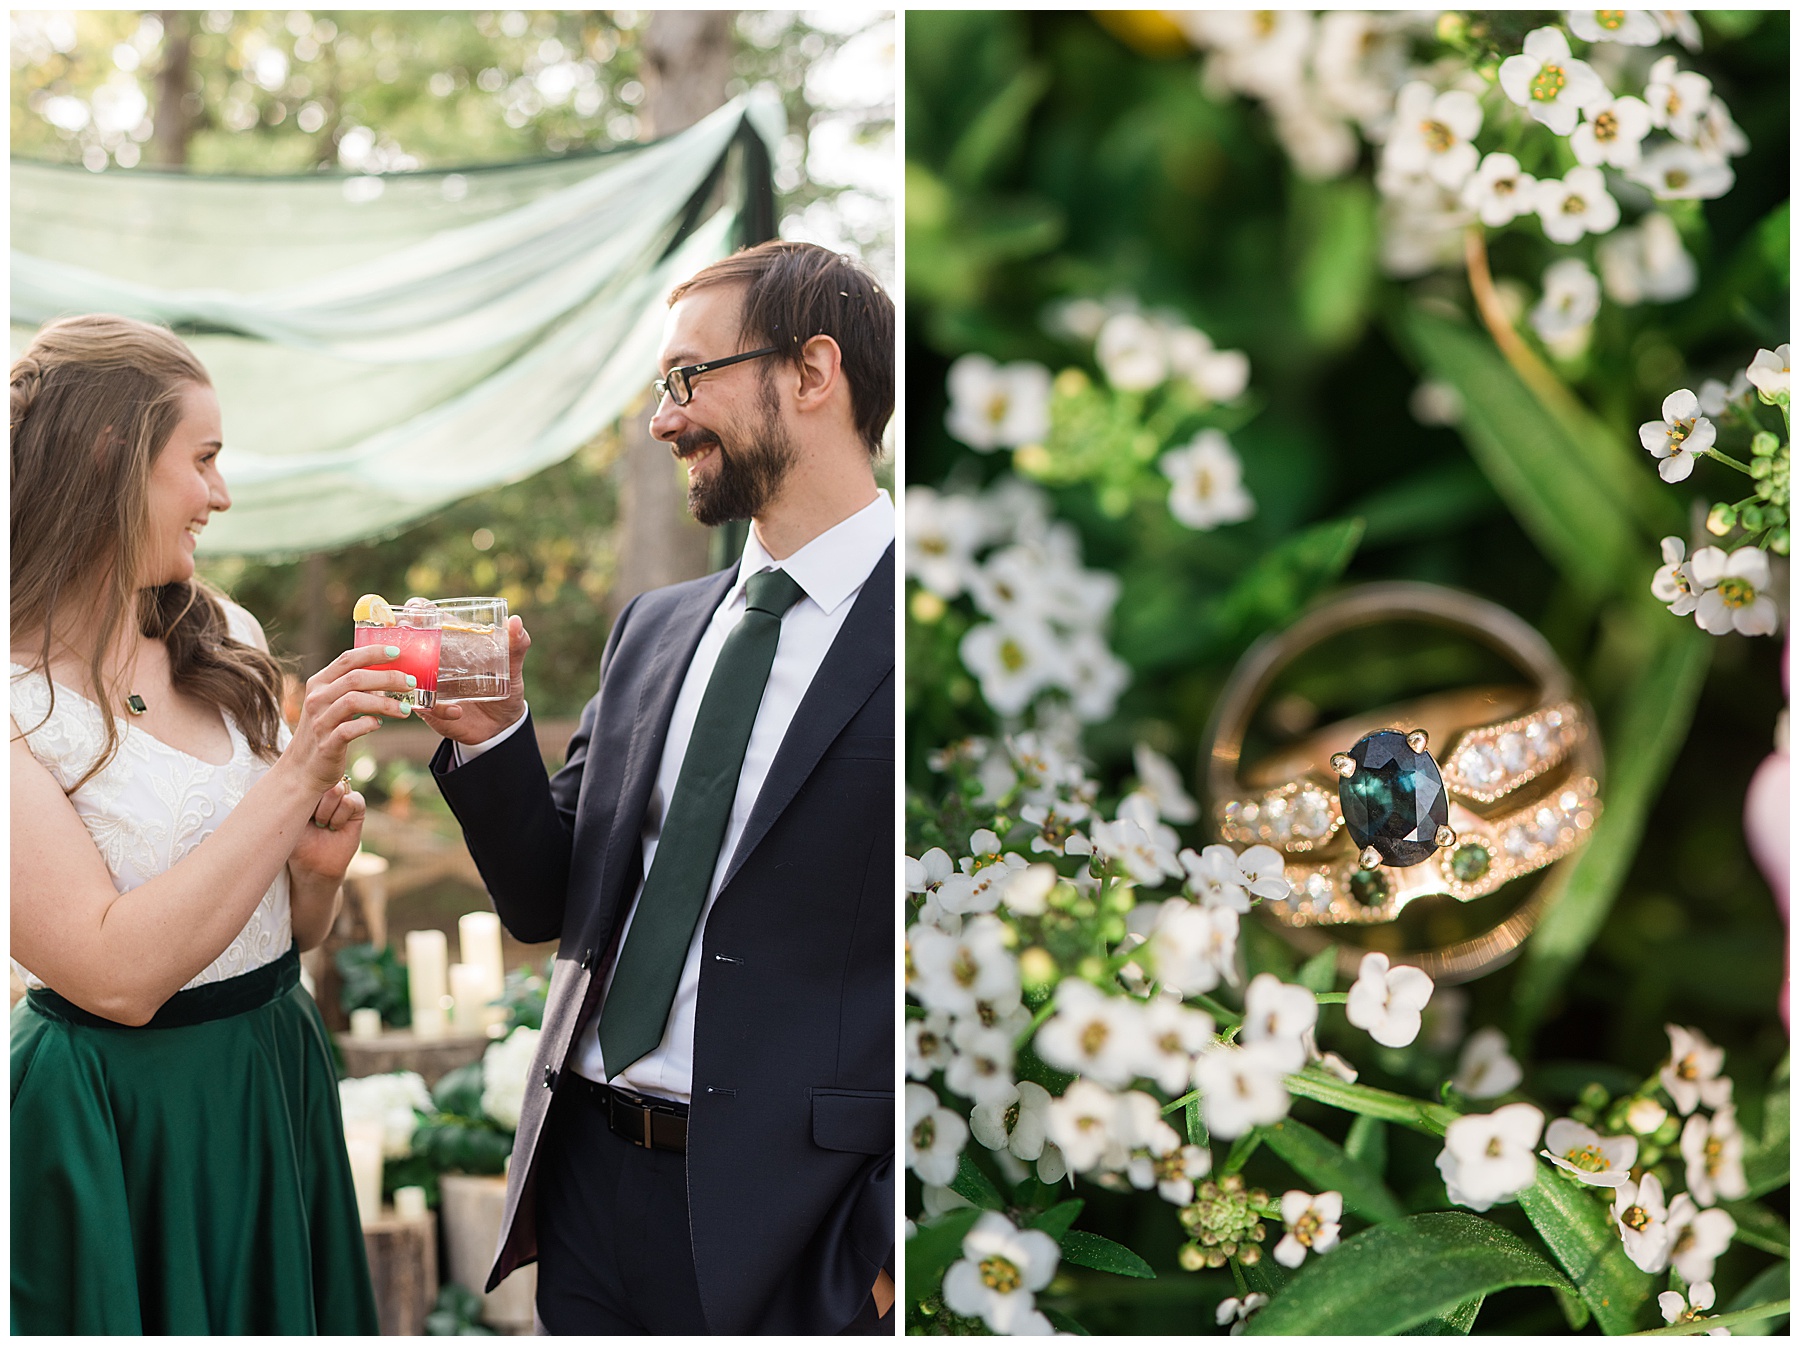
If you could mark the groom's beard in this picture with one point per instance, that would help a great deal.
(746, 475)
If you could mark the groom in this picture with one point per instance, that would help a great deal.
(707, 1138)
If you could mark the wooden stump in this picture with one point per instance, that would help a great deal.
(401, 1049)
(403, 1265)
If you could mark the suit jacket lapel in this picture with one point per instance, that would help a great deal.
(860, 657)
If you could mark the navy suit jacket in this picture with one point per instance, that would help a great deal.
(791, 1128)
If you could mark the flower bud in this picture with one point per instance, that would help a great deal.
(1645, 1115)
(1594, 1095)
(1037, 969)
(1721, 519)
(1191, 1257)
(1764, 445)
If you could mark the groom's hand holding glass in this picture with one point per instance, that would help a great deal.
(473, 722)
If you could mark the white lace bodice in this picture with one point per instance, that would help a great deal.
(150, 806)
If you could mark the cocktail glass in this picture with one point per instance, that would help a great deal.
(418, 632)
(473, 663)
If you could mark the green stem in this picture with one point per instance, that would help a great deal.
(1037, 1021)
(1416, 1113)
(1221, 1016)
(1728, 460)
(1773, 1309)
(1333, 997)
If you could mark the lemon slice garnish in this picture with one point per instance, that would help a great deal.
(374, 608)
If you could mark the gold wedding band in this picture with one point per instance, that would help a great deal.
(1518, 790)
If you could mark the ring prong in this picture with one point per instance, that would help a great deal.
(1369, 859)
(1445, 837)
(1417, 740)
(1343, 763)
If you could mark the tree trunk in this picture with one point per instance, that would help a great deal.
(176, 104)
(687, 64)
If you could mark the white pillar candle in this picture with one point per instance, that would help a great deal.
(362, 1140)
(469, 989)
(427, 956)
(409, 1203)
(365, 1024)
(480, 931)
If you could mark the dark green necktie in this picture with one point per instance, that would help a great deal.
(643, 988)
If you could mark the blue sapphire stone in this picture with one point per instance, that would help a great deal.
(1395, 801)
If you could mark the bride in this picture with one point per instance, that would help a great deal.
(178, 1158)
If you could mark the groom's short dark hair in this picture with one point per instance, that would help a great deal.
(796, 291)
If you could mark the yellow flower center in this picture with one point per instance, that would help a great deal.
(1606, 126)
(1011, 1119)
(1636, 1216)
(996, 408)
(1548, 83)
(999, 1274)
(1012, 656)
(1610, 19)
(1574, 205)
(965, 969)
(924, 1133)
(1675, 179)
(1438, 136)
(1588, 1158)
(933, 546)
(1737, 593)
(1308, 1228)
(1093, 1037)
(1687, 1068)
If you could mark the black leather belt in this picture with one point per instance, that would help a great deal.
(650, 1123)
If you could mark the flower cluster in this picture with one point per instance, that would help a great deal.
(394, 1100)
(1046, 615)
(505, 1066)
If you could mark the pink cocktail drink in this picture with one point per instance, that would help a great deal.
(418, 646)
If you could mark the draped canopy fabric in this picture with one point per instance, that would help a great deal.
(383, 346)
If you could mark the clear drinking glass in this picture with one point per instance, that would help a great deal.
(472, 662)
(417, 631)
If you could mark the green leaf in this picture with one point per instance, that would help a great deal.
(997, 129)
(1647, 731)
(1102, 1254)
(1196, 1128)
(1570, 491)
(1367, 1143)
(1770, 1284)
(1400, 1275)
(1336, 272)
(1322, 1163)
(930, 1252)
(1062, 1322)
(1456, 1323)
(972, 1183)
(1313, 1083)
(1319, 973)
(1575, 1225)
(1766, 1158)
(1056, 1221)
(1241, 1150)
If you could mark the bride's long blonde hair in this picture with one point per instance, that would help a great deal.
(94, 401)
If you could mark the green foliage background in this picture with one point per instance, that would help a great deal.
(1049, 156)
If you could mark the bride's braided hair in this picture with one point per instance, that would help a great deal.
(94, 401)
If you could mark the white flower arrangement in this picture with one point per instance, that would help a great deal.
(505, 1072)
(394, 1101)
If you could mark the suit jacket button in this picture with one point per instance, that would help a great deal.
(549, 1078)
(587, 961)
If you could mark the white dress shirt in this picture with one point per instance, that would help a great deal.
(831, 569)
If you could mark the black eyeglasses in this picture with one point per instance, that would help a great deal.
(679, 383)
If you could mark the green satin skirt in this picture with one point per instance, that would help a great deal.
(184, 1177)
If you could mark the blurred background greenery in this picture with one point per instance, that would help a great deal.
(1054, 155)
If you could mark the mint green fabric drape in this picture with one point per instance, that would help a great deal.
(383, 346)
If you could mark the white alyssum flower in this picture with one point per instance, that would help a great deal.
(1242, 1087)
(1173, 1035)
(1237, 1311)
(1016, 1120)
(981, 884)
(1714, 1151)
(1145, 857)
(1221, 877)
(1672, 584)
(1082, 1124)
(1769, 373)
(934, 1136)
(1093, 1033)
(1358, 61)
(1716, 395)
(1643, 1223)
(1549, 83)
(1056, 825)
(1259, 52)
(1680, 25)
(1627, 27)
(1191, 948)
(1699, 1299)
(1487, 1158)
(394, 1100)
(1696, 1238)
(1575, 204)
(1734, 591)
(1027, 891)
(1281, 1015)
(1312, 1224)
(927, 1045)
(1386, 1002)
(1718, 135)
(956, 973)
(1158, 778)
(1012, 661)
(982, 1067)
(1093, 676)
(1612, 133)
(1172, 1171)
(1679, 438)
(1676, 172)
(1433, 134)
(1571, 300)
(1499, 191)
(1647, 263)
(1645, 1115)
(943, 533)
(999, 1274)
(1600, 1161)
(1677, 98)
(1691, 1075)
(929, 870)
(996, 406)
(1486, 1069)
(1217, 375)
(1132, 352)
(505, 1068)
(1206, 482)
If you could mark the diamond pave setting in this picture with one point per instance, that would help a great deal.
(1300, 816)
(1497, 759)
